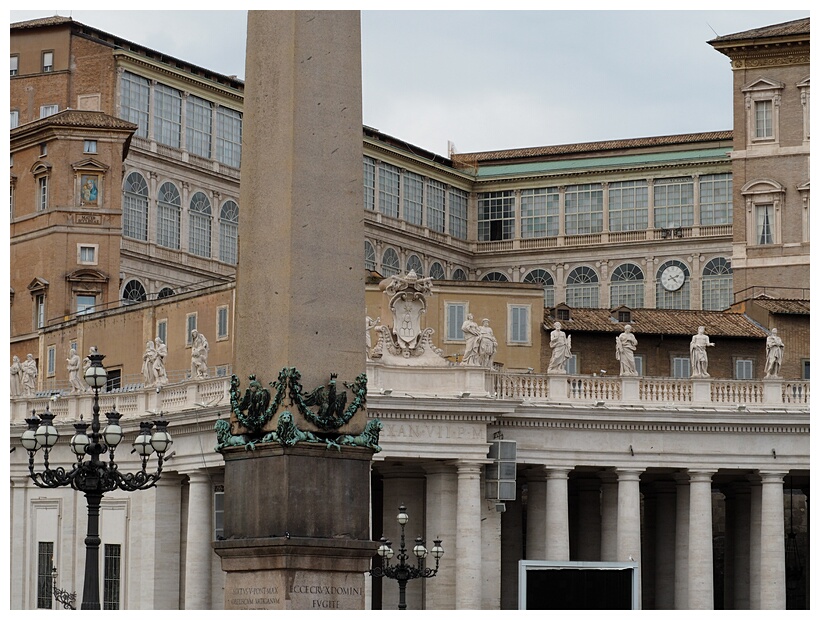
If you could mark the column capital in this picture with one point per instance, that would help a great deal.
(772, 476)
(468, 467)
(701, 475)
(628, 474)
(557, 473)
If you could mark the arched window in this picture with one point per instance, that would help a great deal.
(582, 288)
(543, 277)
(165, 292)
(228, 232)
(716, 285)
(414, 263)
(437, 271)
(369, 256)
(169, 206)
(626, 288)
(672, 286)
(199, 222)
(459, 274)
(133, 291)
(135, 208)
(495, 276)
(390, 263)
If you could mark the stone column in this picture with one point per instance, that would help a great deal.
(557, 515)
(20, 523)
(772, 542)
(468, 532)
(755, 498)
(609, 517)
(536, 513)
(701, 566)
(589, 520)
(198, 551)
(665, 535)
(682, 542)
(440, 510)
(629, 515)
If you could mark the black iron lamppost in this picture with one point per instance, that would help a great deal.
(404, 571)
(94, 477)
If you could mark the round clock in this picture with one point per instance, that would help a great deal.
(672, 278)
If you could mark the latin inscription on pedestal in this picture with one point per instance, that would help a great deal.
(301, 590)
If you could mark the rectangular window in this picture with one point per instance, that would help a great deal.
(51, 360)
(221, 322)
(539, 212)
(168, 222)
(458, 213)
(15, 64)
(167, 115)
(764, 215)
(135, 96)
(584, 209)
(45, 562)
(369, 175)
(48, 62)
(15, 119)
(114, 379)
(190, 325)
(39, 311)
(628, 206)
(680, 367)
(519, 324)
(674, 202)
(198, 120)
(86, 303)
(42, 193)
(48, 110)
(435, 205)
(454, 314)
(744, 369)
(715, 199)
(639, 364)
(572, 364)
(111, 576)
(162, 330)
(805, 369)
(219, 513)
(89, 146)
(87, 254)
(228, 136)
(496, 216)
(389, 180)
(413, 198)
(763, 119)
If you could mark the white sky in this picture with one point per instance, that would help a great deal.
(489, 80)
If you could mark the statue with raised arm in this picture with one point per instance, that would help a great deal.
(73, 366)
(697, 353)
(625, 345)
(199, 355)
(471, 333)
(561, 345)
(774, 355)
(29, 380)
(369, 324)
(16, 377)
(159, 361)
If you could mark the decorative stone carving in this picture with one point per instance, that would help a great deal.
(73, 364)
(369, 324)
(774, 355)
(561, 345)
(161, 349)
(29, 376)
(471, 332)
(486, 344)
(625, 345)
(16, 377)
(199, 355)
(697, 353)
(407, 343)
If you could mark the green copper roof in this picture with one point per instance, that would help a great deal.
(621, 161)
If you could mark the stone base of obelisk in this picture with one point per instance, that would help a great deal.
(292, 540)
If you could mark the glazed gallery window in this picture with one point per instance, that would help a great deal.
(414, 263)
(228, 232)
(435, 205)
(455, 314)
(390, 263)
(459, 275)
(584, 209)
(389, 181)
(671, 298)
(437, 271)
(458, 214)
(716, 284)
(545, 279)
(198, 121)
(228, 136)
(86, 303)
(674, 203)
(413, 198)
(628, 205)
(199, 225)
(133, 292)
(167, 115)
(539, 212)
(369, 176)
(627, 286)
(582, 288)
(764, 224)
(495, 276)
(715, 199)
(496, 216)
(169, 208)
(369, 256)
(135, 208)
(135, 95)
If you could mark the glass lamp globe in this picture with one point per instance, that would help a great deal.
(112, 433)
(161, 439)
(28, 438)
(402, 517)
(95, 374)
(420, 551)
(79, 442)
(437, 550)
(142, 443)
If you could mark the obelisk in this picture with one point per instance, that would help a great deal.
(296, 518)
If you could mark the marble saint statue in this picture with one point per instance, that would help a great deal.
(774, 354)
(29, 381)
(697, 353)
(486, 344)
(471, 334)
(625, 345)
(561, 345)
(199, 355)
(16, 377)
(75, 379)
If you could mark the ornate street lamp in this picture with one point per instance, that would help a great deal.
(93, 476)
(404, 571)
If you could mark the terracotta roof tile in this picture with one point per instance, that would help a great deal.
(783, 306)
(785, 29)
(77, 118)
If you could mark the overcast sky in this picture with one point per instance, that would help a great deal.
(488, 80)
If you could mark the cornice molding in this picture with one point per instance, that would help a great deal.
(776, 58)
(664, 427)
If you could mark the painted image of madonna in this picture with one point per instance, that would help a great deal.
(89, 189)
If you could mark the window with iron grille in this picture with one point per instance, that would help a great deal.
(111, 576)
(45, 563)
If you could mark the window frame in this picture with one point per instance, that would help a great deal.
(222, 311)
(519, 334)
(84, 248)
(679, 360)
(51, 360)
(90, 146)
(47, 55)
(85, 307)
(190, 326)
(762, 92)
(14, 65)
(748, 368)
(496, 215)
(452, 328)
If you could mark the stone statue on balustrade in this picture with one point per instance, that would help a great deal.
(16, 377)
(159, 361)
(149, 377)
(471, 332)
(561, 345)
(697, 353)
(369, 324)
(73, 364)
(486, 344)
(774, 355)
(407, 343)
(199, 355)
(87, 359)
(625, 345)
(29, 377)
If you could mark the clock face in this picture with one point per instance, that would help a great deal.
(672, 278)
